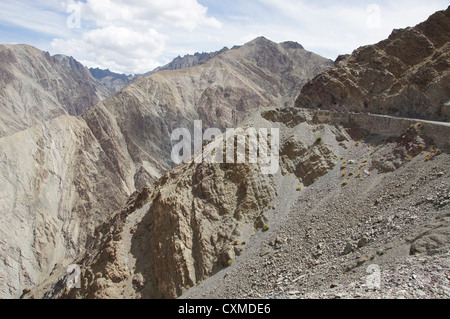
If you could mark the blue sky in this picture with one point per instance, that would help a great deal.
(135, 36)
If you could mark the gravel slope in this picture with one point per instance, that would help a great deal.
(301, 256)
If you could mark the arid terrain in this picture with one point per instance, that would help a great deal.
(359, 207)
(64, 176)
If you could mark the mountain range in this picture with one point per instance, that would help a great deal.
(87, 178)
(65, 175)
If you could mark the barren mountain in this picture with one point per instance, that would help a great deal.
(62, 178)
(371, 190)
(354, 192)
(405, 75)
(357, 217)
(36, 87)
(221, 92)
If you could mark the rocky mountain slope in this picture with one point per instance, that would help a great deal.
(221, 93)
(406, 75)
(62, 178)
(204, 209)
(356, 216)
(36, 87)
(204, 229)
(50, 177)
(354, 190)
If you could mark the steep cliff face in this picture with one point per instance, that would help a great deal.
(62, 178)
(185, 234)
(406, 75)
(57, 185)
(36, 87)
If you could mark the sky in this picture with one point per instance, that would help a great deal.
(136, 36)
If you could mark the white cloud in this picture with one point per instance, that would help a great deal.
(135, 36)
(338, 27)
(130, 36)
(118, 48)
(187, 14)
(25, 15)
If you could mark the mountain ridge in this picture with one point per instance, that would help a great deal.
(119, 81)
(37, 87)
(77, 170)
(353, 190)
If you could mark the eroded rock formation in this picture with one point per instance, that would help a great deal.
(406, 75)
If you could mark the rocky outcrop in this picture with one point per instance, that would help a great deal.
(400, 150)
(171, 237)
(406, 75)
(36, 87)
(307, 163)
(434, 238)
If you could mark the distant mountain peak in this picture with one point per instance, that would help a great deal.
(188, 60)
(260, 41)
(263, 41)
